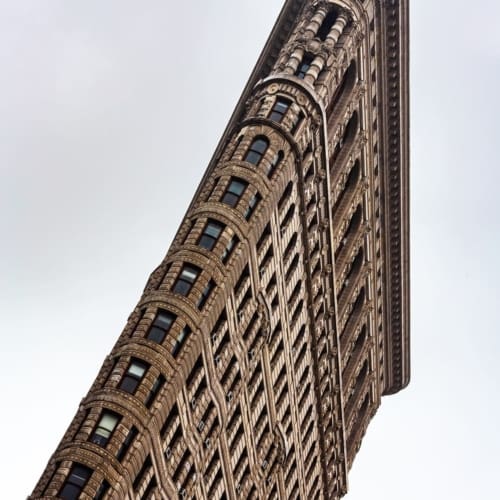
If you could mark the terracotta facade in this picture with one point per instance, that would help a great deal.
(264, 341)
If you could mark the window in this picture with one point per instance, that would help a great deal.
(210, 234)
(257, 150)
(205, 294)
(133, 376)
(75, 482)
(229, 248)
(158, 384)
(105, 428)
(304, 65)
(186, 279)
(179, 342)
(234, 192)
(254, 201)
(279, 110)
(296, 123)
(132, 434)
(140, 475)
(274, 164)
(103, 489)
(327, 25)
(161, 325)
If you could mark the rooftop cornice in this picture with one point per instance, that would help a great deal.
(394, 25)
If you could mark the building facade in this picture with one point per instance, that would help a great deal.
(264, 341)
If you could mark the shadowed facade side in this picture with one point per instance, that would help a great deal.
(264, 341)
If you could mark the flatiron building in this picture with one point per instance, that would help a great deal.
(264, 341)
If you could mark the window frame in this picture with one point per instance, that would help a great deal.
(276, 115)
(100, 438)
(75, 485)
(127, 443)
(155, 389)
(229, 249)
(232, 196)
(181, 340)
(252, 205)
(304, 65)
(157, 331)
(208, 240)
(185, 281)
(205, 294)
(132, 378)
(257, 150)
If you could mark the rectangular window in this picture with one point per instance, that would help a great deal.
(133, 376)
(234, 191)
(298, 120)
(252, 204)
(158, 384)
(75, 482)
(257, 150)
(132, 434)
(229, 248)
(105, 428)
(180, 340)
(186, 279)
(205, 294)
(144, 470)
(279, 109)
(304, 66)
(210, 234)
(161, 325)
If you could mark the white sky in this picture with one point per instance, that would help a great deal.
(110, 111)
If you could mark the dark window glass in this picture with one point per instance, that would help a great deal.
(210, 234)
(234, 192)
(158, 384)
(254, 201)
(179, 341)
(140, 475)
(257, 150)
(132, 434)
(298, 120)
(105, 427)
(133, 376)
(151, 486)
(75, 482)
(304, 65)
(279, 109)
(327, 25)
(103, 489)
(274, 164)
(229, 248)
(206, 293)
(186, 279)
(161, 325)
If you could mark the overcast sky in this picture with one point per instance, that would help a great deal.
(110, 111)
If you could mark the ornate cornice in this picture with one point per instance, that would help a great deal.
(394, 66)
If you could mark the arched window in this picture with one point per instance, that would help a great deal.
(257, 150)
(327, 25)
